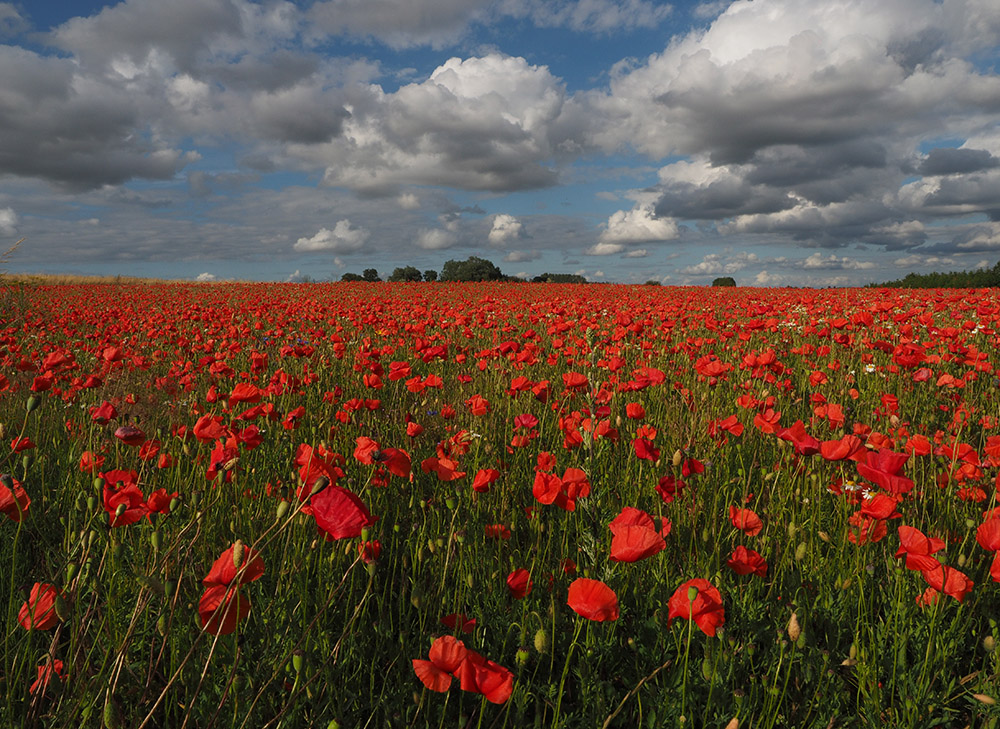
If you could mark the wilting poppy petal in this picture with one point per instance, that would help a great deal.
(39, 611)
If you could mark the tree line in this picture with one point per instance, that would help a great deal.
(981, 278)
(473, 268)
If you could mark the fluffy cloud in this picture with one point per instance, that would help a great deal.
(8, 222)
(505, 228)
(522, 256)
(436, 239)
(482, 123)
(344, 238)
(205, 277)
(638, 225)
(714, 264)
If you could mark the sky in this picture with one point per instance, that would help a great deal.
(780, 142)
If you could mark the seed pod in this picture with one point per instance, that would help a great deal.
(541, 641)
(793, 628)
(62, 608)
(298, 660)
(112, 716)
(156, 539)
(521, 656)
(33, 403)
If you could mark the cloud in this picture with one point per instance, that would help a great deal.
(805, 119)
(408, 201)
(8, 222)
(589, 16)
(482, 123)
(832, 262)
(505, 228)
(522, 256)
(344, 238)
(11, 21)
(638, 225)
(636, 253)
(715, 263)
(436, 239)
(206, 276)
(604, 249)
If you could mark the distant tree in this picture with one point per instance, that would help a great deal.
(652, 282)
(351, 277)
(405, 273)
(724, 281)
(559, 278)
(370, 275)
(471, 269)
(430, 275)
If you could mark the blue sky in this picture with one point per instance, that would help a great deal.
(781, 142)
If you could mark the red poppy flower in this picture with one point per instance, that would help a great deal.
(668, 487)
(91, 462)
(804, 443)
(880, 506)
(697, 600)
(340, 514)
(130, 435)
(848, 447)
(446, 656)
(14, 500)
(917, 548)
(746, 521)
(633, 543)
(223, 606)
(883, 468)
(988, 535)
(747, 562)
(949, 581)
(46, 672)
(635, 411)
(159, 502)
(460, 621)
(482, 676)
(209, 427)
(39, 611)
(245, 392)
(630, 516)
(519, 583)
(593, 600)
(484, 479)
(121, 490)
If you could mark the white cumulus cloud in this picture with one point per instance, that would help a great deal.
(344, 238)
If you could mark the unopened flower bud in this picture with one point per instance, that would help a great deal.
(793, 628)
(238, 553)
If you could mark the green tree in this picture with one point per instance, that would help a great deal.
(405, 273)
(430, 275)
(471, 269)
(724, 281)
(370, 275)
(351, 277)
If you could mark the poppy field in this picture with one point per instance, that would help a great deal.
(498, 505)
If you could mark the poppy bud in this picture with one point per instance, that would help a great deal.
(800, 552)
(161, 624)
(298, 660)
(99, 484)
(677, 459)
(120, 510)
(33, 403)
(321, 483)
(25, 461)
(71, 570)
(91, 503)
(984, 699)
(706, 669)
(962, 560)
(168, 588)
(7, 480)
(81, 502)
(734, 723)
(521, 656)
(989, 644)
(238, 553)
(62, 608)
(156, 539)
(174, 503)
(112, 716)
(282, 510)
(416, 598)
(541, 641)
